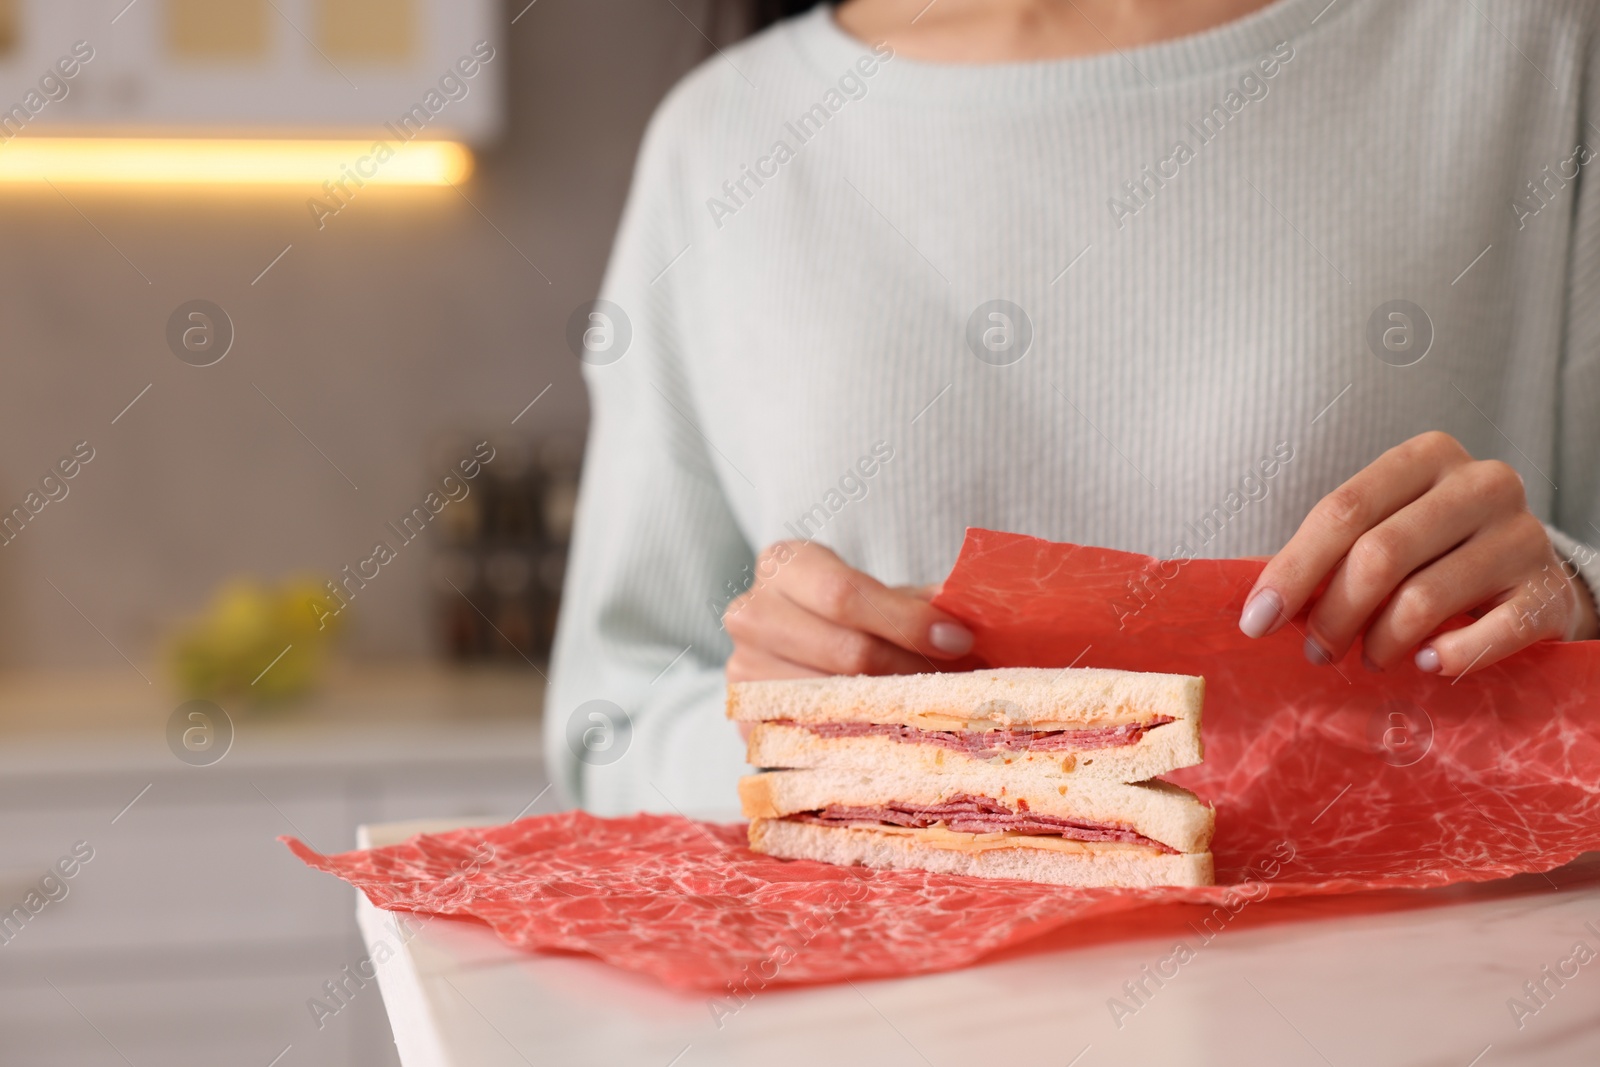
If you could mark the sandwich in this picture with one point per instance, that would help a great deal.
(1038, 774)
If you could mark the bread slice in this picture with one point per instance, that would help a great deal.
(1161, 749)
(1158, 810)
(1039, 698)
(1032, 859)
(969, 705)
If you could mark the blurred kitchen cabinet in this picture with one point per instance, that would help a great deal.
(390, 69)
(192, 935)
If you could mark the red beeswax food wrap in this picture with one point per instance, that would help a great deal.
(1325, 780)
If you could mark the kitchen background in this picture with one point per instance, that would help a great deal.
(367, 362)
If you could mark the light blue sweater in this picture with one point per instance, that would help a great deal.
(1200, 245)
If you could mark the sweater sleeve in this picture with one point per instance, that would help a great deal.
(634, 710)
(1575, 526)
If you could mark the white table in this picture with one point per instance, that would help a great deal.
(1287, 982)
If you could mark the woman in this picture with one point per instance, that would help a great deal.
(1085, 269)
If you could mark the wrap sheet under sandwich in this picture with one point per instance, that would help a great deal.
(1326, 780)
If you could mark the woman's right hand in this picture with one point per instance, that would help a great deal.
(808, 615)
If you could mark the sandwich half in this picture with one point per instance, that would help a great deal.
(1116, 725)
(1000, 774)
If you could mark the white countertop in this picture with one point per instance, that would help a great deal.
(1411, 979)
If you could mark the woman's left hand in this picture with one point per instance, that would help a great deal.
(1423, 534)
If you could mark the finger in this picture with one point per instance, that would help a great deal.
(777, 625)
(755, 665)
(1380, 489)
(823, 584)
(1509, 628)
(1483, 571)
(1425, 529)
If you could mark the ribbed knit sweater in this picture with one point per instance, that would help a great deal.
(1201, 244)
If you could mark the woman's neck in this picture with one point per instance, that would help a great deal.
(998, 31)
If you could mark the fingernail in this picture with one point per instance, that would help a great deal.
(1428, 660)
(950, 637)
(1366, 661)
(1316, 654)
(1262, 614)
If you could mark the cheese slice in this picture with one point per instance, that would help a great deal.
(930, 720)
